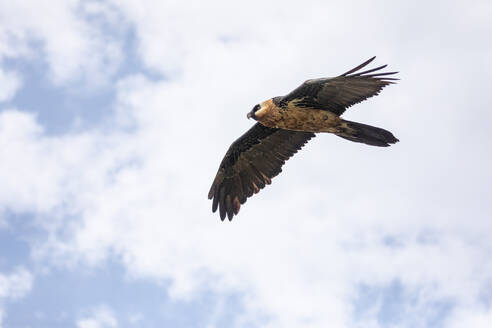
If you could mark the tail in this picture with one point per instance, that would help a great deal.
(367, 134)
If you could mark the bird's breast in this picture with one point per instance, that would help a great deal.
(295, 118)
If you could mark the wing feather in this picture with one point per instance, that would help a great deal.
(339, 93)
(250, 163)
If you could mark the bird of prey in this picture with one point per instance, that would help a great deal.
(287, 123)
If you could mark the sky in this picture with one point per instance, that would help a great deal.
(114, 117)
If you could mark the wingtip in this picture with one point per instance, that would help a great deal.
(215, 204)
(392, 140)
(211, 192)
(359, 67)
(222, 214)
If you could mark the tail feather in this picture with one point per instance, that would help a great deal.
(367, 134)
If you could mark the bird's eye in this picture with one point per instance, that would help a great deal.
(256, 108)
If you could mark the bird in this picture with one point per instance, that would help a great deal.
(286, 123)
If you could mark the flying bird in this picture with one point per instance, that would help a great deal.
(286, 123)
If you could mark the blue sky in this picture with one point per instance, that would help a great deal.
(114, 116)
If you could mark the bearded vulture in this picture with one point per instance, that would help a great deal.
(285, 124)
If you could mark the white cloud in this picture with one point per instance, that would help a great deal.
(14, 286)
(102, 317)
(475, 316)
(299, 249)
(10, 82)
(75, 47)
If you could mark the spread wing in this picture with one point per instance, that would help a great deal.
(250, 164)
(338, 93)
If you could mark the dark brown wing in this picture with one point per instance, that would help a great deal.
(338, 93)
(250, 164)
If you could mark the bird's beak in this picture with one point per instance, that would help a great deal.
(248, 115)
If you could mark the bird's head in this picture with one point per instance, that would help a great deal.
(253, 111)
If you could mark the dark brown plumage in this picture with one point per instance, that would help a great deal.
(286, 124)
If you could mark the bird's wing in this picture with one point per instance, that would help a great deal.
(250, 164)
(338, 93)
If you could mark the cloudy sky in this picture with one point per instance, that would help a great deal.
(114, 116)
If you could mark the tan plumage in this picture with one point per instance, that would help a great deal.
(286, 123)
(295, 118)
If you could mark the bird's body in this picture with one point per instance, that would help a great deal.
(286, 123)
(291, 117)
